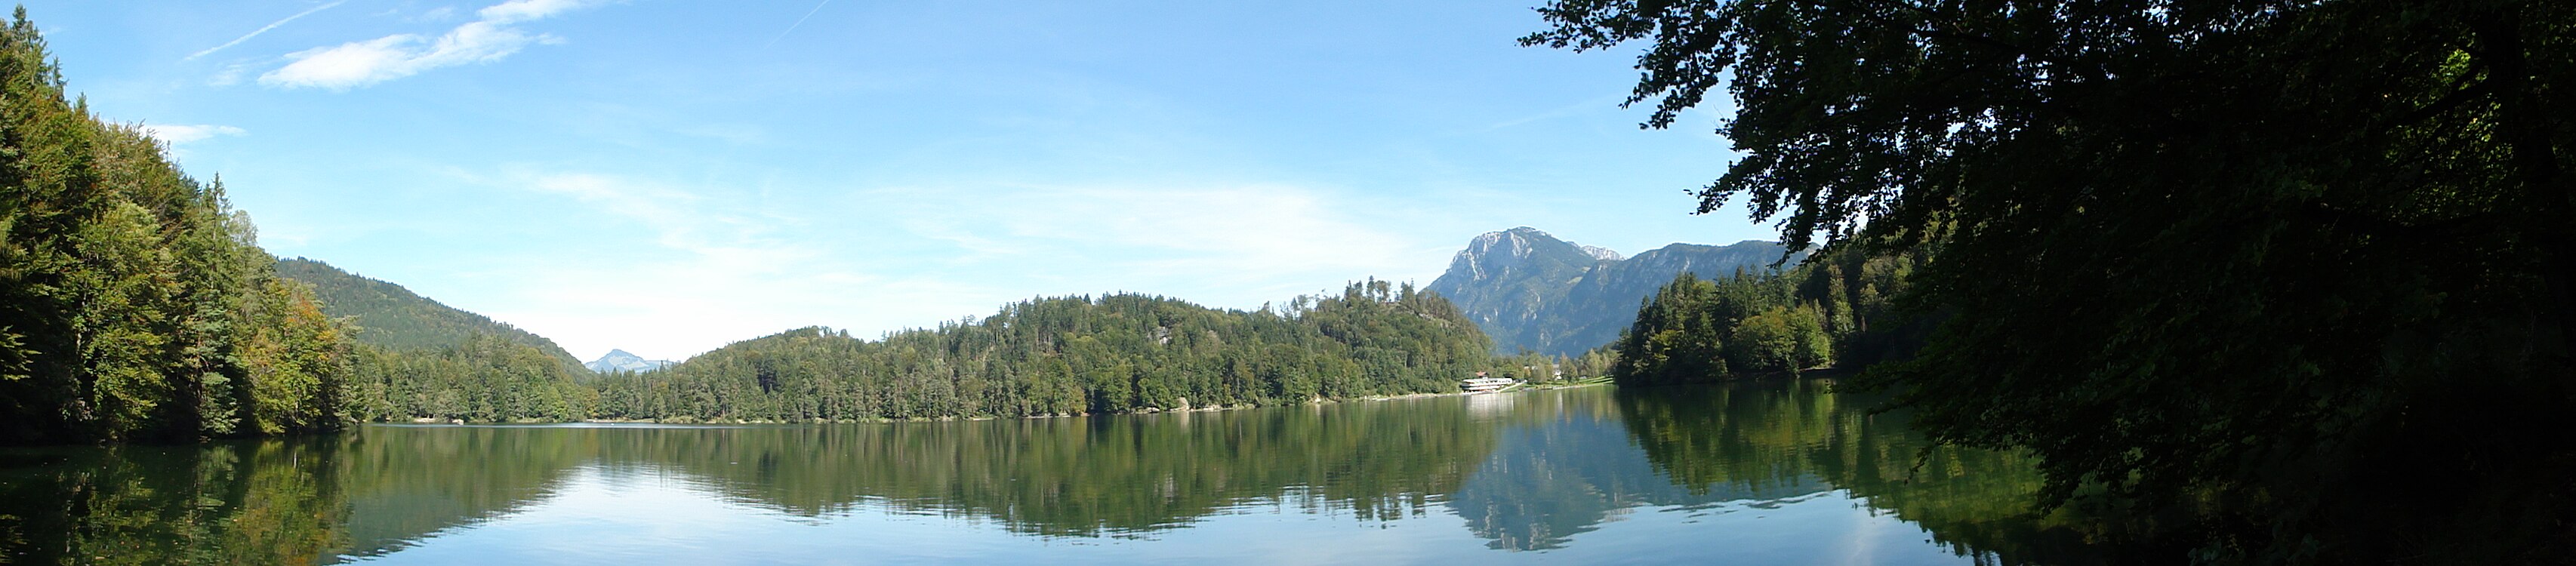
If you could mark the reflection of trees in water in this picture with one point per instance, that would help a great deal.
(1563, 464)
(377, 490)
(275, 501)
(265, 502)
(1550, 480)
(1527, 471)
(1088, 476)
(405, 482)
(1750, 435)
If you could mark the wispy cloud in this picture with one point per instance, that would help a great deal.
(1247, 242)
(681, 220)
(363, 63)
(261, 30)
(717, 268)
(229, 76)
(179, 134)
(791, 28)
(515, 11)
(719, 263)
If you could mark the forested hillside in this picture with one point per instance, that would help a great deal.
(1075, 355)
(485, 378)
(1832, 311)
(417, 358)
(392, 317)
(134, 302)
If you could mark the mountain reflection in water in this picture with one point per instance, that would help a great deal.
(1780, 470)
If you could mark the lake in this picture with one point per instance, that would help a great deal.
(1785, 472)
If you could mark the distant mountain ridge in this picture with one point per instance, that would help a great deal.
(620, 360)
(394, 318)
(1528, 289)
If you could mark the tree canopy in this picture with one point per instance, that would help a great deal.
(1831, 311)
(1077, 355)
(2268, 263)
(134, 302)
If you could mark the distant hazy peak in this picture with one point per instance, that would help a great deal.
(620, 360)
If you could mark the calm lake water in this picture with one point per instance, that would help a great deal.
(1768, 473)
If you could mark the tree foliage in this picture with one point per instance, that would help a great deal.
(485, 378)
(134, 304)
(1832, 311)
(1077, 355)
(2271, 261)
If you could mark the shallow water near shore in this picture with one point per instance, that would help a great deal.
(1784, 472)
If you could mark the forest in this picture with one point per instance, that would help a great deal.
(1836, 310)
(135, 303)
(1078, 355)
(2262, 281)
(2257, 270)
(1041, 357)
(393, 318)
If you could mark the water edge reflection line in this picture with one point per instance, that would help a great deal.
(1535, 472)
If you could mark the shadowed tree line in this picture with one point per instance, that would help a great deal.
(1760, 436)
(2270, 264)
(1833, 310)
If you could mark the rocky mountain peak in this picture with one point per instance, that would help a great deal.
(1601, 253)
(1528, 289)
(1517, 251)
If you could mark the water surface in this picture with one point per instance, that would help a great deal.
(1766, 473)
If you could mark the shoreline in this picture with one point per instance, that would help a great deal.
(433, 421)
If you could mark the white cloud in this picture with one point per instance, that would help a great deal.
(681, 268)
(717, 270)
(229, 76)
(680, 219)
(1226, 245)
(363, 63)
(349, 65)
(179, 134)
(515, 11)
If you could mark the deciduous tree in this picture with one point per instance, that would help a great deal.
(2277, 263)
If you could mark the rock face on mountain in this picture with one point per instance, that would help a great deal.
(619, 360)
(394, 318)
(1529, 290)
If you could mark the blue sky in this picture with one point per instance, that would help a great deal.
(666, 176)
